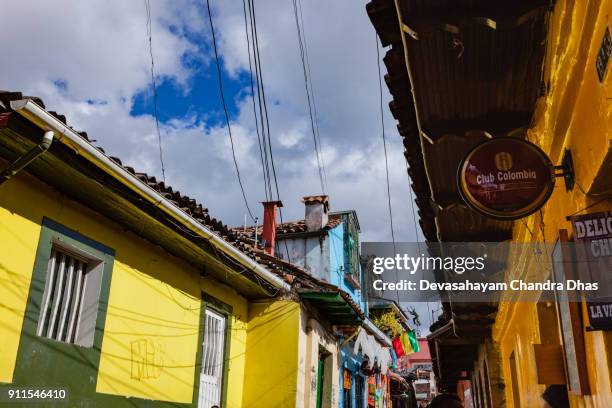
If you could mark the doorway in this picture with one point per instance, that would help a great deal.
(213, 351)
(323, 388)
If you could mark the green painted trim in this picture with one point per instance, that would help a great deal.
(76, 236)
(320, 378)
(323, 296)
(211, 302)
(46, 362)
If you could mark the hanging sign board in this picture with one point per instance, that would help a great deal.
(506, 178)
(594, 232)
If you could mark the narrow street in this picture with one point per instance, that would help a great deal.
(387, 204)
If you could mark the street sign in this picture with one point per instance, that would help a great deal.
(506, 178)
(594, 231)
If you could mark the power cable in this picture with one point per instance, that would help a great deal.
(154, 85)
(227, 120)
(260, 84)
(264, 164)
(263, 113)
(312, 93)
(265, 124)
(384, 139)
(308, 97)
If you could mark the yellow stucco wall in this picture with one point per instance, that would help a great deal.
(272, 355)
(18, 243)
(154, 300)
(576, 114)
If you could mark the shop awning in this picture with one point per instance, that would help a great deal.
(337, 307)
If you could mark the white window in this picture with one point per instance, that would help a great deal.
(213, 348)
(69, 307)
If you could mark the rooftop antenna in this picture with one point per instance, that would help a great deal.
(256, 226)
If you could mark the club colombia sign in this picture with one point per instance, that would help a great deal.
(506, 178)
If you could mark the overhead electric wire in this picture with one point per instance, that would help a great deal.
(154, 86)
(261, 88)
(262, 114)
(414, 211)
(308, 97)
(312, 93)
(264, 163)
(263, 110)
(384, 139)
(227, 120)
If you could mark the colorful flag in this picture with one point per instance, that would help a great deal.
(398, 347)
(414, 341)
(406, 343)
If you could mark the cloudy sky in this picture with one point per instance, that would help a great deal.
(90, 61)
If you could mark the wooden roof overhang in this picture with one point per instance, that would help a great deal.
(335, 306)
(452, 357)
(459, 72)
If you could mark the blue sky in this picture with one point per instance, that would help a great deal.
(201, 99)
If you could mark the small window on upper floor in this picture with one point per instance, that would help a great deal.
(69, 306)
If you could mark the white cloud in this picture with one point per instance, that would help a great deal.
(100, 50)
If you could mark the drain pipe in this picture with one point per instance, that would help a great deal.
(28, 157)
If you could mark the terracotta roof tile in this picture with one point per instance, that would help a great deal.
(316, 199)
(289, 227)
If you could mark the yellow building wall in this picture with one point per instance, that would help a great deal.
(575, 114)
(154, 300)
(271, 376)
(18, 243)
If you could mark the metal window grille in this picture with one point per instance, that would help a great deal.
(351, 247)
(62, 302)
(213, 346)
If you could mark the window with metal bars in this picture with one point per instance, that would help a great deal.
(351, 248)
(213, 347)
(69, 304)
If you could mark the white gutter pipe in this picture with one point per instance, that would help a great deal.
(371, 327)
(43, 119)
(27, 158)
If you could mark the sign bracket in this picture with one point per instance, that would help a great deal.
(566, 170)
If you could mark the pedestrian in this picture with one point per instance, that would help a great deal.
(555, 396)
(446, 401)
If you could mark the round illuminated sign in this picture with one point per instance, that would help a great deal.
(506, 178)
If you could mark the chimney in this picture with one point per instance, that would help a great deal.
(269, 225)
(317, 208)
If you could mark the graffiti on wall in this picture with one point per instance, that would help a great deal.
(147, 357)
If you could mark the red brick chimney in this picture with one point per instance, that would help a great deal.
(269, 225)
